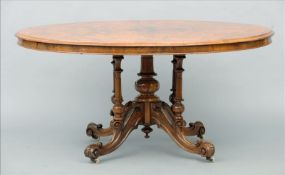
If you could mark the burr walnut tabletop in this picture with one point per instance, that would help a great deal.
(146, 38)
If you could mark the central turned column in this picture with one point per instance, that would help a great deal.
(147, 86)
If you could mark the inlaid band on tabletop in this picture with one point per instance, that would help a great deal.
(143, 50)
(146, 39)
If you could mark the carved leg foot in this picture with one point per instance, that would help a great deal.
(194, 129)
(96, 130)
(206, 149)
(120, 133)
(92, 151)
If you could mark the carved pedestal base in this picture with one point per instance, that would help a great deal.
(147, 110)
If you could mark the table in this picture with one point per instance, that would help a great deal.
(146, 38)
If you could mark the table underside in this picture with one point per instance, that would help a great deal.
(147, 110)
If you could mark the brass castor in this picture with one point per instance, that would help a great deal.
(97, 161)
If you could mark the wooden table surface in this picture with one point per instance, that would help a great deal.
(145, 37)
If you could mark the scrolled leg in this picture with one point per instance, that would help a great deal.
(96, 130)
(194, 129)
(203, 148)
(96, 150)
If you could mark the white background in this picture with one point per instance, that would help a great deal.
(49, 98)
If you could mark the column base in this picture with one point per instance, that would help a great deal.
(162, 116)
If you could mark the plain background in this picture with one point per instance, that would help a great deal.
(49, 98)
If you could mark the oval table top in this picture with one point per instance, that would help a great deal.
(145, 37)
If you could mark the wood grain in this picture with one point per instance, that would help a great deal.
(145, 37)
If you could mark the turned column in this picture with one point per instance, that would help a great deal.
(173, 82)
(117, 98)
(147, 86)
(176, 96)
